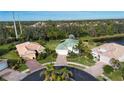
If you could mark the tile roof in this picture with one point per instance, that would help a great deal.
(27, 49)
(111, 50)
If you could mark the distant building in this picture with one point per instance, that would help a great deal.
(28, 50)
(106, 52)
(69, 45)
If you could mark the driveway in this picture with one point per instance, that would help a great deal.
(61, 60)
(33, 65)
(96, 70)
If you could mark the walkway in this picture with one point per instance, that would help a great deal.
(61, 60)
(12, 75)
(96, 70)
(33, 65)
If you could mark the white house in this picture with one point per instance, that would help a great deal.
(69, 45)
(104, 53)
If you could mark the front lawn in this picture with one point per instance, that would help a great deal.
(52, 44)
(80, 60)
(11, 55)
(4, 49)
(115, 76)
(49, 58)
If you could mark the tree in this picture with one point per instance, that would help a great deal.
(115, 63)
(52, 73)
(84, 48)
(108, 69)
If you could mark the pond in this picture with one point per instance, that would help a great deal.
(78, 75)
(121, 41)
(118, 41)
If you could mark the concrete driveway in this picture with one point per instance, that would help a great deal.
(61, 60)
(96, 70)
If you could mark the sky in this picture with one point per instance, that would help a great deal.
(60, 15)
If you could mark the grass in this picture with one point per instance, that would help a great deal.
(49, 58)
(100, 78)
(80, 60)
(52, 44)
(11, 55)
(115, 76)
(22, 67)
(5, 46)
(4, 49)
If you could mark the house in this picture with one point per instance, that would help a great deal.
(69, 45)
(104, 53)
(3, 64)
(28, 50)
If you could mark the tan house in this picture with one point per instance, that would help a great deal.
(28, 50)
(106, 52)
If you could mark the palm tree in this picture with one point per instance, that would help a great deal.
(20, 26)
(53, 74)
(115, 63)
(16, 34)
(66, 74)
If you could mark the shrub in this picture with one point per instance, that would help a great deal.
(72, 54)
(108, 69)
(15, 63)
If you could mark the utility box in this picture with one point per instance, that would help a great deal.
(3, 64)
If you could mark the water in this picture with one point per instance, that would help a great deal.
(78, 75)
(121, 41)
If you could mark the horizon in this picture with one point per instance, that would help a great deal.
(60, 15)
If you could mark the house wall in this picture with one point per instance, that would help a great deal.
(105, 59)
(62, 52)
(70, 48)
(73, 50)
(121, 59)
(100, 58)
(95, 55)
(29, 56)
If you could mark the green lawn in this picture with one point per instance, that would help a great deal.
(49, 58)
(23, 67)
(52, 44)
(4, 49)
(11, 55)
(115, 76)
(5, 46)
(80, 60)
